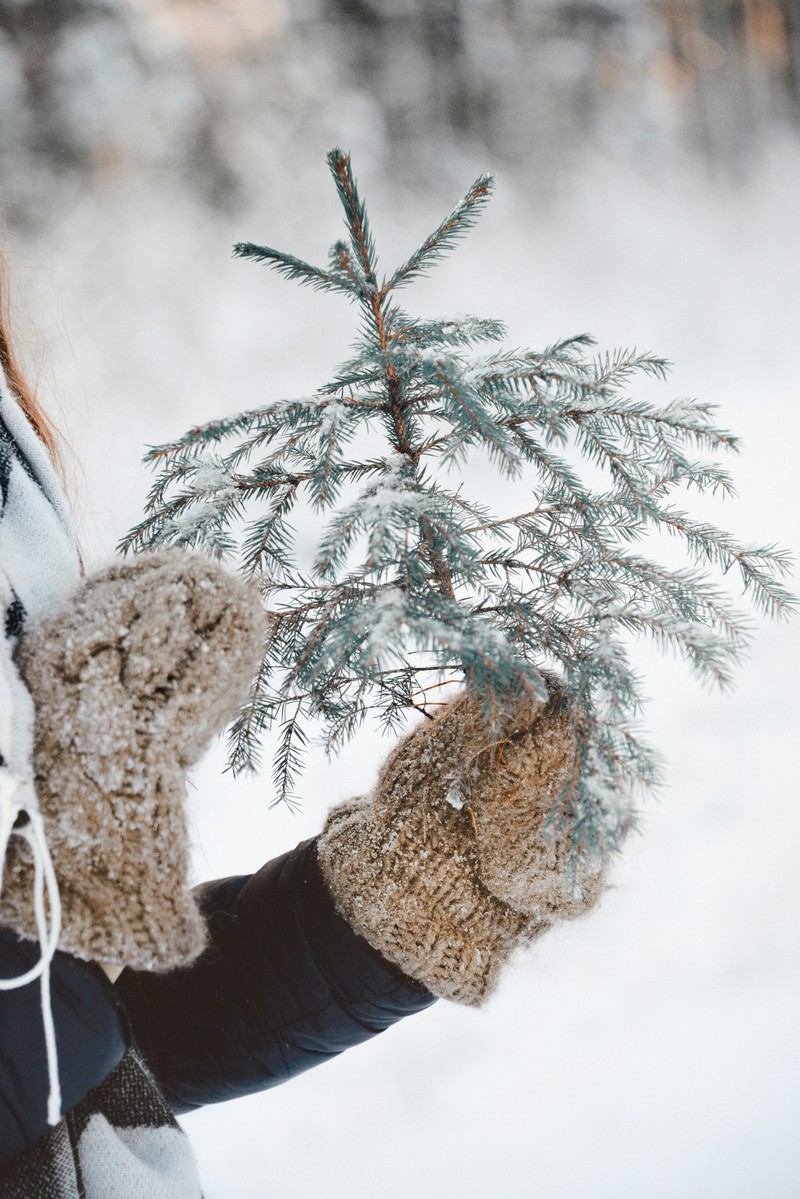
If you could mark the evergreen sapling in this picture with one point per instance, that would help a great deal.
(417, 583)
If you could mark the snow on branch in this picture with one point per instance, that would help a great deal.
(415, 583)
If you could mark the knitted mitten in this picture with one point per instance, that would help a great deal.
(447, 868)
(130, 683)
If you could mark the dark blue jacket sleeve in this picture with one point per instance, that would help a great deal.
(91, 1038)
(284, 984)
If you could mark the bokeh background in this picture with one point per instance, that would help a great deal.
(648, 166)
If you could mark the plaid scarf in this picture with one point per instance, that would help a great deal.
(39, 565)
(121, 1140)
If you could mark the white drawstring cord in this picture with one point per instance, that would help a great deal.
(44, 876)
(9, 810)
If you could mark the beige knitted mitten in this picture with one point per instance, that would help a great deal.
(130, 683)
(446, 869)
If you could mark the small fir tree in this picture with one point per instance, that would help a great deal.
(416, 582)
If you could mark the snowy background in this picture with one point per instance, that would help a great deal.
(648, 165)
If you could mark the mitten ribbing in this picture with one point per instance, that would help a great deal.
(152, 658)
(447, 869)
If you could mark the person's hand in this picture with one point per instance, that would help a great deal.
(130, 682)
(450, 865)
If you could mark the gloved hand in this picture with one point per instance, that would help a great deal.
(446, 869)
(151, 658)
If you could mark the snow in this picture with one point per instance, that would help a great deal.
(390, 499)
(651, 1050)
(455, 796)
(192, 519)
(211, 475)
(387, 619)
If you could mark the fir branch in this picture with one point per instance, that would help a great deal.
(361, 238)
(268, 545)
(445, 236)
(289, 758)
(294, 268)
(415, 583)
(452, 331)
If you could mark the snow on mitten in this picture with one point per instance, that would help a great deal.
(130, 683)
(447, 868)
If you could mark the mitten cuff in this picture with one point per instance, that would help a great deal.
(454, 862)
(404, 888)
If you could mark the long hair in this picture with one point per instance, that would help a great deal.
(17, 381)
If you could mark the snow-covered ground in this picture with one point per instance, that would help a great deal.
(651, 1051)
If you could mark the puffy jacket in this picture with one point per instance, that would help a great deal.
(284, 984)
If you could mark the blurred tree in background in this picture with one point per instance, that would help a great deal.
(204, 92)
